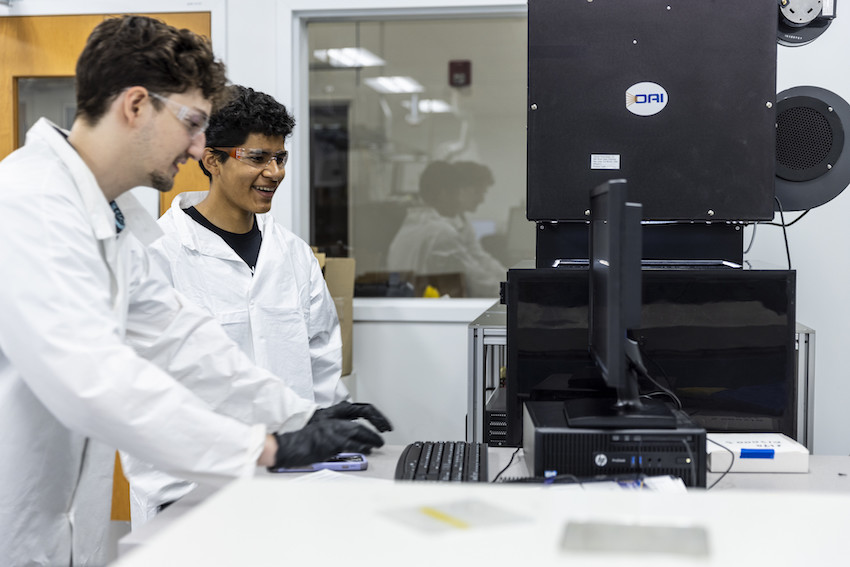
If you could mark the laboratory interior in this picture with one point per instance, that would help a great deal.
(633, 343)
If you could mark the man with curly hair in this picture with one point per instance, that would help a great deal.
(223, 250)
(94, 339)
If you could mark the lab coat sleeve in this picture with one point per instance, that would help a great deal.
(325, 342)
(62, 331)
(189, 343)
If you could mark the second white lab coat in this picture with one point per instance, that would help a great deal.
(282, 316)
(429, 243)
(92, 336)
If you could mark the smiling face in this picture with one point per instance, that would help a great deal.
(242, 187)
(169, 140)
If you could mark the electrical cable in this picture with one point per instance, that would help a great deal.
(664, 390)
(782, 224)
(729, 468)
(784, 231)
(790, 223)
(645, 373)
(510, 462)
(753, 238)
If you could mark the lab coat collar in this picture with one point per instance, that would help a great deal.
(195, 237)
(98, 208)
(137, 219)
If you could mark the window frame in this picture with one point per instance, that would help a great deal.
(293, 84)
(294, 76)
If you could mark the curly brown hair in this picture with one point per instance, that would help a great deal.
(130, 51)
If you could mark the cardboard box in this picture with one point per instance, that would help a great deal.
(755, 452)
(339, 277)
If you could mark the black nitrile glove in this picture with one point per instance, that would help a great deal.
(347, 410)
(318, 441)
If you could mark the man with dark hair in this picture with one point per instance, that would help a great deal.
(223, 250)
(94, 339)
(436, 237)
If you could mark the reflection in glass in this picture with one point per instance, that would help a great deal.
(51, 97)
(369, 149)
(436, 240)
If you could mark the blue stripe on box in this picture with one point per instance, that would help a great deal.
(757, 453)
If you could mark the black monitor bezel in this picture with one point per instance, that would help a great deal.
(615, 282)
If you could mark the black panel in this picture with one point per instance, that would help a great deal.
(722, 339)
(712, 147)
(665, 241)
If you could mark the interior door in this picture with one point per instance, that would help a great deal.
(33, 47)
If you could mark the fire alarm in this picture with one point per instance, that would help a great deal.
(460, 73)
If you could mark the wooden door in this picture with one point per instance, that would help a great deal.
(48, 46)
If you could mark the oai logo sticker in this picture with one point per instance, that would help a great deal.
(646, 99)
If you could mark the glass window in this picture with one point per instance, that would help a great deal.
(51, 97)
(418, 152)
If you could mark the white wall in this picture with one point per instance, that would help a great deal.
(260, 40)
(820, 248)
(410, 360)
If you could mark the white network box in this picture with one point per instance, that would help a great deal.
(756, 452)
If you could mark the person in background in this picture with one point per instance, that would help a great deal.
(224, 251)
(97, 350)
(436, 237)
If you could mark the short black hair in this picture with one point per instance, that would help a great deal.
(441, 180)
(435, 182)
(246, 112)
(472, 174)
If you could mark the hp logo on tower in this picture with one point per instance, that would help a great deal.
(646, 99)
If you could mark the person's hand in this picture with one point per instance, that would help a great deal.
(269, 452)
(319, 440)
(347, 410)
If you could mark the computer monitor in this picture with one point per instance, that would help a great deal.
(614, 311)
(615, 284)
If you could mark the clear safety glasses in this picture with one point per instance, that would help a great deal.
(193, 119)
(255, 157)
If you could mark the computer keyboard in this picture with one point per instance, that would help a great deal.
(443, 461)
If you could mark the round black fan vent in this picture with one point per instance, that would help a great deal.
(809, 138)
(811, 162)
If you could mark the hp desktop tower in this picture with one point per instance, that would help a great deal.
(551, 447)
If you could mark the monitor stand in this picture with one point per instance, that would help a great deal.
(605, 413)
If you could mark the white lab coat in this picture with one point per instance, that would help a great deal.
(282, 316)
(429, 243)
(91, 334)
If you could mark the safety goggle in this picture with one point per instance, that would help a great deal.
(194, 120)
(255, 157)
